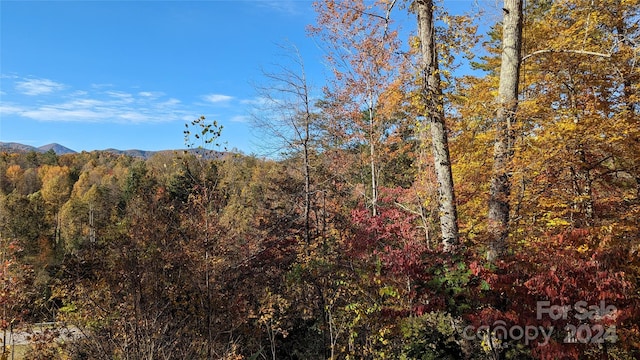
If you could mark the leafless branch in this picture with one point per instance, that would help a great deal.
(579, 52)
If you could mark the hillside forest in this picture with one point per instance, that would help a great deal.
(412, 211)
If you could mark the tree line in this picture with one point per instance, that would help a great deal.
(409, 214)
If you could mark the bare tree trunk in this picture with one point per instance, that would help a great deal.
(303, 93)
(287, 93)
(582, 182)
(307, 185)
(372, 161)
(500, 188)
(434, 111)
(628, 90)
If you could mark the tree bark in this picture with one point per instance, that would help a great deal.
(287, 93)
(434, 112)
(372, 162)
(307, 179)
(500, 189)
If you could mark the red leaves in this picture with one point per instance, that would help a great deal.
(566, 273)
(559, 283)
(391, 236)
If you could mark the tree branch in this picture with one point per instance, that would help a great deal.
(385, 18)
(580, 52)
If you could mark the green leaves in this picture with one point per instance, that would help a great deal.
(206, 134)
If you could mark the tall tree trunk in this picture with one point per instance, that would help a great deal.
(503, 148)
(307, 186)
(434, 111)
(628, 90)
(372, 162)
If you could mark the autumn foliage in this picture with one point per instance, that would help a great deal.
(333, 250)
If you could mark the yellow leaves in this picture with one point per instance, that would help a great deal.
(554, 222)
(567, 126)
(490, 342)
(56, 184)
(272, 306)
(389, 291)
(14, 173)
(414, 43)
(391, 100)
(583, 249)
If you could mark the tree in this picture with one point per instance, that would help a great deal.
(576, 130)
(202, 205)
(24, 219)
(364, 55)
(14, 294)
(500, 189)
(432, 98)
(571, 170)
(286, 112)
(14, 174)
(56, 188)
(135, 294)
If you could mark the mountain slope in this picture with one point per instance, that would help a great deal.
(57, 148)
(16, 147)
(60, 150)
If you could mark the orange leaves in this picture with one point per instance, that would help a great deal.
(361, 47)
(14, 173)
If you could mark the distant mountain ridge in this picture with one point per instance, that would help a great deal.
(57, 148)
(132, 152)
(61, 150)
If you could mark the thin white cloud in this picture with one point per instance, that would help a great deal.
(288, 7)
(93, 110)
(78, 93)
(99, 106)
(7, 109)
(33, 87)
(118, 94)
(103, 103)
(151, 94)
(240, 119)
(170, 102)
(82, 104)
(217, 98)
(60, 113)
(101, 86)
(134, 117)
(257, 101)
(121, 96)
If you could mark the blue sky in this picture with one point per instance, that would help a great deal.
(129, 74)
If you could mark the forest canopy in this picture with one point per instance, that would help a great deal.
(412, 214)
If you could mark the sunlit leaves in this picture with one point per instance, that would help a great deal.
(205, 134)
